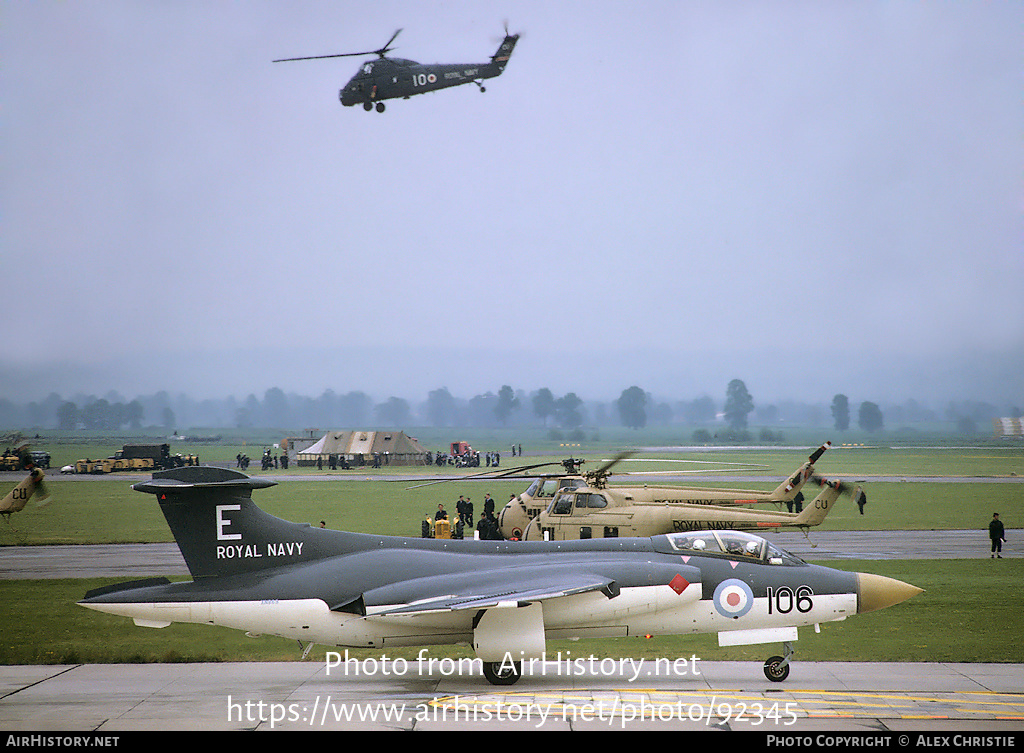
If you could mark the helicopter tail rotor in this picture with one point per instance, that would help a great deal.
(42, 491)
(843, 487)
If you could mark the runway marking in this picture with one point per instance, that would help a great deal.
(727, 704)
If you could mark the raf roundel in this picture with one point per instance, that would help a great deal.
(733, 598)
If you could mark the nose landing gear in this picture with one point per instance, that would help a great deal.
(776, 668)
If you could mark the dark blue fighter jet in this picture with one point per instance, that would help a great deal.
(258, 573)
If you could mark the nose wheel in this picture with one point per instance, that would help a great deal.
(776, 668)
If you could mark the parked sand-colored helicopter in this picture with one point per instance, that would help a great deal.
(32, 485)
(579, 505)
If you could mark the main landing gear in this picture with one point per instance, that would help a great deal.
(502, 673)
(369, 106)
(776, 668)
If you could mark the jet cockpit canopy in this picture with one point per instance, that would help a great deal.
(725, 543)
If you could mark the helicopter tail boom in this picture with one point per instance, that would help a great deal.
(814, 514)
(504, 52)
(789, 488)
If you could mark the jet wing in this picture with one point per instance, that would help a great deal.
(491, 589)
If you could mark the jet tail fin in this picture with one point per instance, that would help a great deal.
(218, 528)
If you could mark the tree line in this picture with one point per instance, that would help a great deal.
(634, 408)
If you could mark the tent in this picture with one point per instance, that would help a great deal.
(359, 448)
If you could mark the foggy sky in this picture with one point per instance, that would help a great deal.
(813, 197)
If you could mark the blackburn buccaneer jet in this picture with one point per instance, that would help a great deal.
(255, 572)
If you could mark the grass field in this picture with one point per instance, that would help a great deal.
(109, 511)
(965, 614)
(106, 510)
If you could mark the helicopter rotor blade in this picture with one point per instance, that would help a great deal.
(750, 467)
(324, 57)
(387, 47)
(603, 470)
(380, 52)
(508, 473)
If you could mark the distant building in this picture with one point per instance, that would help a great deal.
(357, 448)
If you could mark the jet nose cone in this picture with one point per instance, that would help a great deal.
(878, 592)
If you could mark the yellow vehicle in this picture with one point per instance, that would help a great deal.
(135, 457)
(436, 529)
(10, 461)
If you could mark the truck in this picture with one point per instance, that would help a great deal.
(137, 457)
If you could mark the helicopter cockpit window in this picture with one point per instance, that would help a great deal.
(591, 501)
(548, 488)
(562, 504)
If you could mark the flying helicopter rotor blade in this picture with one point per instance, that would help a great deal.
(387, 47)
(324, 57)
(380, 52)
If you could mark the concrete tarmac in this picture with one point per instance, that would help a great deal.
(863, 698)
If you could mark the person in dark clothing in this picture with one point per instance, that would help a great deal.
(861, 498)
(487, 528)
(441, 513)
(997, 533)
(796, 504)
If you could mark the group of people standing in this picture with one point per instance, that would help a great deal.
(486, 528)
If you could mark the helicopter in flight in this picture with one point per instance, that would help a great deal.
(580, 505)
(393, 78)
